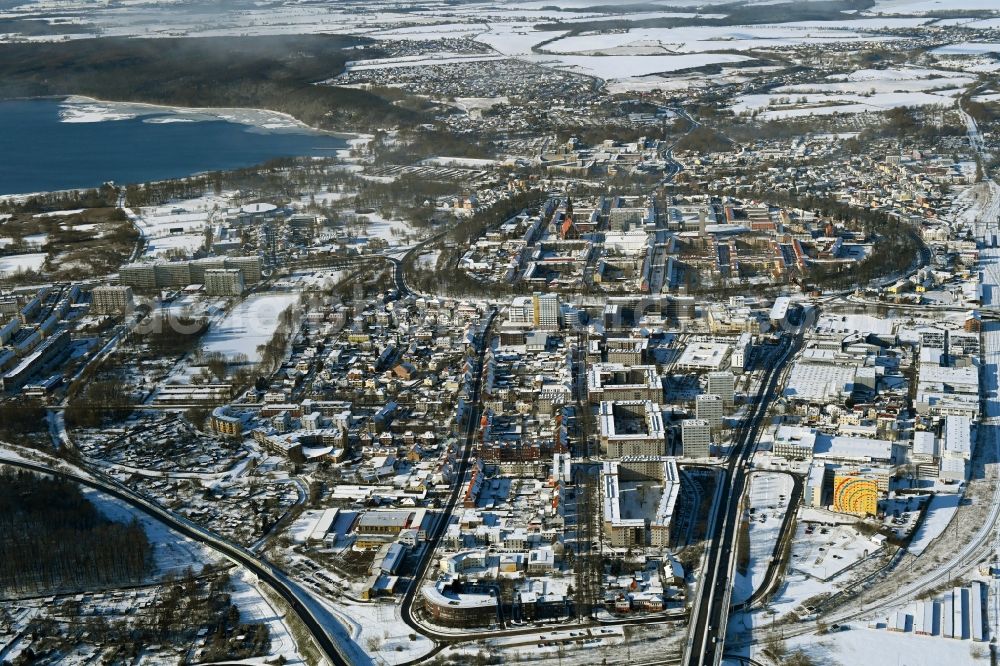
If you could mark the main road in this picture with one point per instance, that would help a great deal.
(427, 556)
(709, 616)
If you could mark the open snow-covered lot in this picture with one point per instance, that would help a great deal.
(825, 547)
(768, 500)
(256, 608)
(181, 244)
(860, 645)
(251, 324)
(859, 92)
(18, 263)
(173, 553)
(183, 217)
(822, 551)
(940, 512)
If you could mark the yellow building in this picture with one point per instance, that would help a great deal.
(855, 494)
(226, 425)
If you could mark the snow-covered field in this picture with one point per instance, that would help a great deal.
(255, 608)
(382, 624)
(619, 67)
(248, 326)
(940, 512)
(187, 244)
(393, 232)
(17, 263)
(819, 561)
(799, 104)
(825, 555)
(924, 6)
(428, 260)
(860, 645)
(183, 217)
(704, 39)
(507, 26)
(968, 48)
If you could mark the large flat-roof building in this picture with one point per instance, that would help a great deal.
(615, 381)
(631, 428)
(820, 382)
(794, 442)
(948, 390)
(377, 527)
(705, 357)
(802, 443)
(630, 351)
(452, 604)
(639, 496)
(521, 311)
(956, 448)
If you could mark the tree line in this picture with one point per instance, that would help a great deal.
(52, 538)
(278, 73)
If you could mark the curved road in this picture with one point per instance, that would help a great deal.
(770, 576)
(297, 599)
(442, 523)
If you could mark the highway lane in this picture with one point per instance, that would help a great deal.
(708, 625)
(297, 599)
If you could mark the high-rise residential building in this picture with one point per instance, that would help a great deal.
(856, 494)
(224, 282)
(723, 384)
(111, 300)
(173, 274)
(708, 407)
(522, 311)
(140, 276)
(546, 311)
(696, 438)
(163, 275)
(199, 266)
(741, 352)
(251, 267)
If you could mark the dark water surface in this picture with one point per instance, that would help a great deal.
(39, 152)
